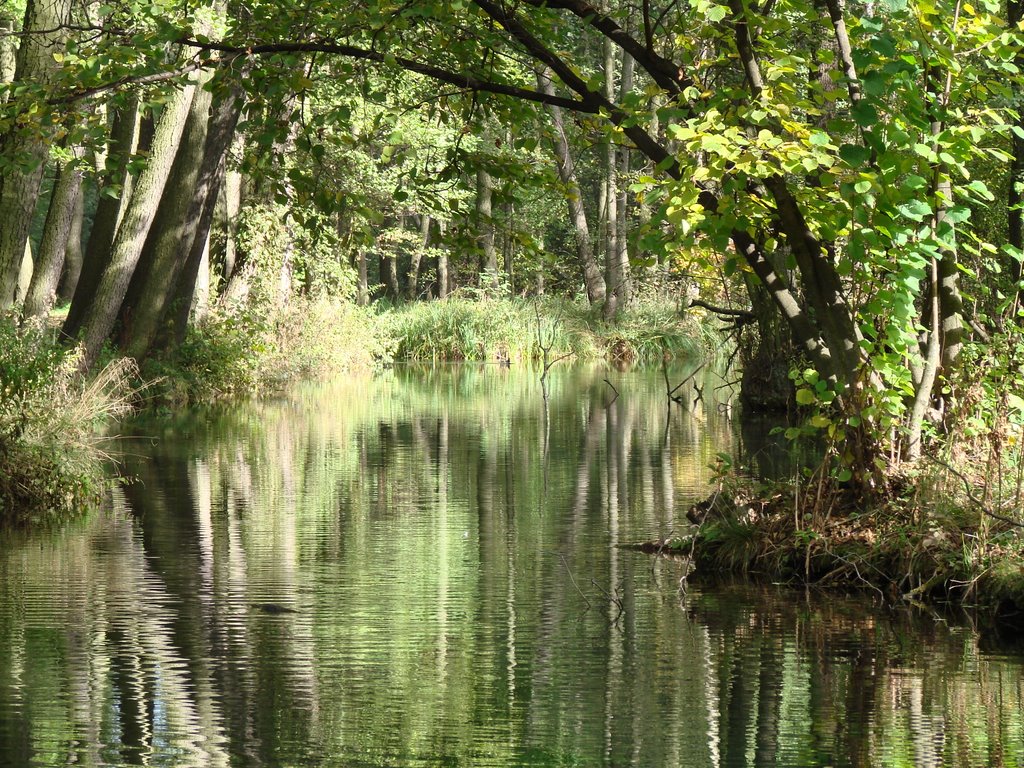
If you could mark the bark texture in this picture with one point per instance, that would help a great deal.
(115, 192)
(593, 280)
(138, 218)
(67, 188)
(45, 32)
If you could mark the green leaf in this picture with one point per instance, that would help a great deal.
(915, 210)
(805, 396)
(716, 13)
(854, 155)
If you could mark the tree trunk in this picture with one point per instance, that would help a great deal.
(190, 276)
(19, 186)
(24, 274)
(135, 224)
(232, 188)
(593, 281)
(56, 232)
(115, 192)
(485, 229)
(508, 247)
(442, 266)
(73, 256)
(8, 53)
(197, 168)
(412, 280)
(621, 206)
(613, 274)
(201, 295)
(363, 288)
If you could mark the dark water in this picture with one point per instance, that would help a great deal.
(422, 570)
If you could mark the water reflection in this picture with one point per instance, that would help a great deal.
(422, 569)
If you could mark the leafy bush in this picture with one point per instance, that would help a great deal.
(246, 351)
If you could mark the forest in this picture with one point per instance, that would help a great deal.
(511, 383)
(221, 197)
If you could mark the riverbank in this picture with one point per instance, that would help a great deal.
(52, 426)
(51, 454)
(249, 354)
(926, 541)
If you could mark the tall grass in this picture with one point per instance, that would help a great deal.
(51, 420)
(467, 328)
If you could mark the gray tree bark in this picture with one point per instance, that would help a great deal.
(138, 218)
(443, 285)
(67, 188)
(73, 255)
(412, 280)
(613, 275)
(45, 26)
(170, 240)
(115, 192)
(485, 229)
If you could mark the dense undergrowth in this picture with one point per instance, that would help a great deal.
(250, 352)
(488, 329)
(51, 421)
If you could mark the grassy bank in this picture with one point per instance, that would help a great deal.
(253, 353)
(51, 445)
(490, 329)
(927, 539)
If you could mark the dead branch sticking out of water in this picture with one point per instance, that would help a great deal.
(545, 348)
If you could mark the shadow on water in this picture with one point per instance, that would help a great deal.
(422, 569)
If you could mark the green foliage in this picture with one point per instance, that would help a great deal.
(250, 351)
(484, 328)
(51, 458)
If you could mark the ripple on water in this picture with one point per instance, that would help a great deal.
(422, 569)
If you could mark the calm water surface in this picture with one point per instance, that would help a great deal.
(421, 570)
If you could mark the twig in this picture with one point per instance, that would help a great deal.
(613, 390)
(573, 580)
(675, 389)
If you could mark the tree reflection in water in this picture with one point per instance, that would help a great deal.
(440, 549)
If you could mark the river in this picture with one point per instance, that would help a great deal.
(421, 569)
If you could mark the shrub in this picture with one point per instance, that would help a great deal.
(51, 447)
(248, 351)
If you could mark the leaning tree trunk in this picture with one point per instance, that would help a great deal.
(124, 135)
(197, 260)
(67, 190)
(138, 218)
(187, 265)
(196, 170)
(44, 31)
